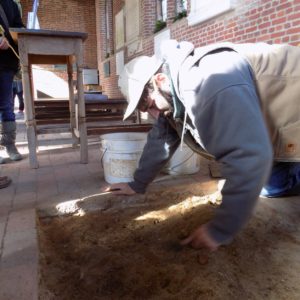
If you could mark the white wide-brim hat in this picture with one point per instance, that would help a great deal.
(134, 77)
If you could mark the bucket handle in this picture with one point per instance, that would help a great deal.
(182, 162)
(102, 156)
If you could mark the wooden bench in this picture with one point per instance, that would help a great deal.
(102, 116)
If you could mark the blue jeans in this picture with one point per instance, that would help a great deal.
(284, 180)
(6, 96)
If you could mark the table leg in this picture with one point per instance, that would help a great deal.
(75, 140)
(81, 117)
(29, 118)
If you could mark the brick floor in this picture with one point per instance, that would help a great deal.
(60, 177)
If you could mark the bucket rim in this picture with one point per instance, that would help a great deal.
(137, 136)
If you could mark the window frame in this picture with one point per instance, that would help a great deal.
(132, 33)
(203, 10)
(181, 6)
(162, 10)
(119, 30)
(107, 27)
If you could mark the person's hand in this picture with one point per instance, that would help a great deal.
(121, 188)
(3, 43)
(200, 238)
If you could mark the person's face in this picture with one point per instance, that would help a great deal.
(154, 102)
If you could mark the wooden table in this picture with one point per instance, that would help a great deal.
(52, 47)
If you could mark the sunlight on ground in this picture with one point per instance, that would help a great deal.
(181, 208)
(74, 206)
(23, 146)
(70, 207)
(53, 147)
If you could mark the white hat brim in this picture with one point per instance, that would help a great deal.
(136, 87)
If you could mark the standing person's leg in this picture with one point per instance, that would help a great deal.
(284, 180)
(7, 116)
(14, 91)
(21, 101)
(6, 96)
(294, 180)
(20, 95)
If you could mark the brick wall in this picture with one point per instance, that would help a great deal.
(271, 21)
(252, 21)
(106, 54)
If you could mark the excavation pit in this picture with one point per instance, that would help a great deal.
(129, 249)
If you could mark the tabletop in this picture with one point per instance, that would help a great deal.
(15, 32)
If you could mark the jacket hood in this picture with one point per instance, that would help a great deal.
(174, 53)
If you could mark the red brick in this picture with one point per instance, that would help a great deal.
(293, 30)
(295, 38)
(279, 21)
(264, 25)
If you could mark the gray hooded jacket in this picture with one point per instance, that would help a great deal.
(238, 100)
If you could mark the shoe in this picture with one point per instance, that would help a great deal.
(2, 161)
(4, 182)
(13, 152)
(19, 115)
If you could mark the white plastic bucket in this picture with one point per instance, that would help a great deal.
(121, 153)
(183, 162)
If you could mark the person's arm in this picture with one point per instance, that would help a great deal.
(161, 144)
(17, 21)
(14, 20)
(235, 133)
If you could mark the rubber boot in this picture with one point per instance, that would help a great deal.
(3, 160)
(8, 138)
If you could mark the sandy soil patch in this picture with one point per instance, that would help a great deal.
(133, 253)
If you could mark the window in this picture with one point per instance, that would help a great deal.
(181, 6)
(119, 32)
(181, 10)
(107, 25)
(132, 15)
(162, 10)
(202, 10)
(161, 15)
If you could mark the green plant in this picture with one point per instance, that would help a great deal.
(159, 25)
(109, 54)
(180, 15)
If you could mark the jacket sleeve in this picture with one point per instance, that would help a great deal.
(14, 20)
(162, 142)
(17, 20)
(8, 60)
(233, 130)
